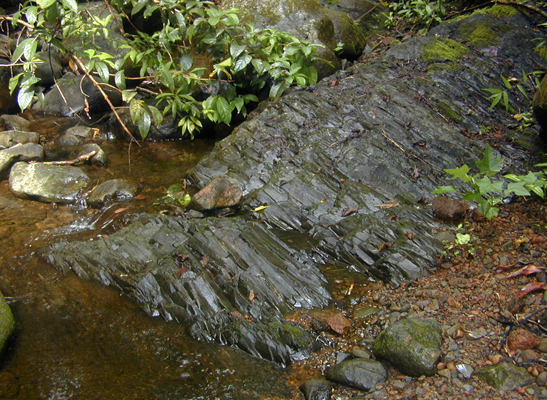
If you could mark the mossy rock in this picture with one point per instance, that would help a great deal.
(412, 345)
(504, 376)
(7, 323)
(441, 50)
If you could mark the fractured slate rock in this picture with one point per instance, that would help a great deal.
(207, 276)
(411, 345)
(47, 183)
(359, 373)
(504, 376)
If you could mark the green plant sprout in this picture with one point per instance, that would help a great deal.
(486, 192)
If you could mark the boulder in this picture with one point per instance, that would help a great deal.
(221, 192)
(12, 137)
(114, 189)
(359, 373)
(505, 376)
(316, 389)
(309, 20)
(14, 122)
(72, 94)
(47, 183)
(20, 152)
(411, 345)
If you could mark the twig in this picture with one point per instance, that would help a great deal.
(25, 24)
(368, 12)
(105, 96)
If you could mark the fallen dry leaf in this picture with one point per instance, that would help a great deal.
(538, 239)
(503, 268)
(119, 210)
(388, 204)
(384, 245)
(339, 323)
(531, 287)
(527, 270)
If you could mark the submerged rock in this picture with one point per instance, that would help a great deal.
(47, 183)
(111, 190)
(412, 345)
(7, 323)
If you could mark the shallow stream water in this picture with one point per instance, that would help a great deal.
(79, 340)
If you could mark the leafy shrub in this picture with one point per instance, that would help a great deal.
(419, 14)
(238, 60)
(486, 192)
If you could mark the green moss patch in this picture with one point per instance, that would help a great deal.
(444, 50)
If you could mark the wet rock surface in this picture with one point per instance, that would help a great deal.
(48, 183)
(343, 164)
(359, 373)
(7, 323)
(110, 190)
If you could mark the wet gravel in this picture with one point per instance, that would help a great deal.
(485, 314)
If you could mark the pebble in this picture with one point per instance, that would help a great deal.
(541, 379)
(465, 369)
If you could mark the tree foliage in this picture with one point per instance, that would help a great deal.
(198, 63)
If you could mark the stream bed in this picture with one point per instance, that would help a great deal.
(77, 339)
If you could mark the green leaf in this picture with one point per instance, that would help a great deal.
(71, 4)
(489, 165)
(278, 89)
(460, 173)
(167, 79)
(186, 61)
(236, 49)
(224, 110)
(119, 80)
(128, 95)
(517, 188)
(242, 62)
(506, 82)
(157, 116)
(14, 82)
(103, 71)
(45, 3)
(144, 124)
(24, 98)
(21, 49)
(486, 185)
(139, 6)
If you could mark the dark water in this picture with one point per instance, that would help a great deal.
(79, 340)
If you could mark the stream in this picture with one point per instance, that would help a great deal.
(80, 340)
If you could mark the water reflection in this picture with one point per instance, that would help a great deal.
(79, 340)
